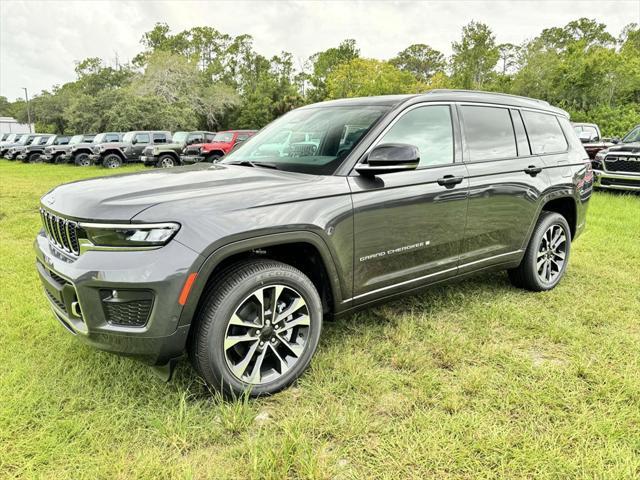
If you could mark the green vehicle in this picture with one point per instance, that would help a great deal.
(167, 155)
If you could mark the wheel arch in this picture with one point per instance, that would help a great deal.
(565, 206)
(171, 153)
(306, 251)
(113, 151)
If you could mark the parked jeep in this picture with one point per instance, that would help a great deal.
(618, 167)
(25, 140)
(129, 149)
(168, 154)
(591, 138)
(34, 152)
(221, 144)
(238, 262)
(9, 140)
(77, 148)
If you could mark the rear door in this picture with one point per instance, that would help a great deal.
(141, 142)
(505, 184)
(409, 226)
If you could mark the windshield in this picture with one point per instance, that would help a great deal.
(632, 136)
(23, 139)
(51, 140)
(36, 141)
(12, 138)
(99, 138)
(310, 140)
(127, 137)
(179, 137)
(224, 137)
(75, 139)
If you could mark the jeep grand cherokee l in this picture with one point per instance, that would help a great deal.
(237, 262)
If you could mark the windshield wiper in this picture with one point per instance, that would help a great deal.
(248, 163)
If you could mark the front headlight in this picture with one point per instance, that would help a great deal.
(129, 235)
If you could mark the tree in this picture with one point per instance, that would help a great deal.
(325, 62)
(474, 56)
(420, 60)
(363, 77)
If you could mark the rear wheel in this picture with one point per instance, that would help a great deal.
(34, 158)
(82, 160)
(258, 328)
(166, 161)
(547, 255)
(213, 158)
(112, 161)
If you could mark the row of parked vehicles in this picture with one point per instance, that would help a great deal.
(113, 149)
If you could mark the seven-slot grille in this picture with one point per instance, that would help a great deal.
(623, 163)
(62, 232)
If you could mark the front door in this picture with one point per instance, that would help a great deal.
(141, 142)
(409, 226)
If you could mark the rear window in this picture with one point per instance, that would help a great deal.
(489, 133)
(545, 134)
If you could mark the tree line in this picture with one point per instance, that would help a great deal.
(204, 79)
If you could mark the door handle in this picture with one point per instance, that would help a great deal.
(532, 170)
(449, 181)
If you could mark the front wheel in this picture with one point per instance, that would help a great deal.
(112, 161)
(34, 158)
(258, 328)
(547, 255)
(82, 160)
(166, 161)
(213, 158)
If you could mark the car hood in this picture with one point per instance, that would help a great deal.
(626, 147)
(121, 197)
(212, 145)
(120, 145)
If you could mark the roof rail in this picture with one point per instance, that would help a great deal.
(458, 90)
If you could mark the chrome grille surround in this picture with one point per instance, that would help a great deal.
(61, 232)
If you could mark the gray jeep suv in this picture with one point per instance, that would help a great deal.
(237, 263)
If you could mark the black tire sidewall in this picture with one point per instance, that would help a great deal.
(80, 157)
(216, 368)
(112, 157)
(543, 225)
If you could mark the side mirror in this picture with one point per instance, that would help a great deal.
(134, 141)
(585, 137)
(390, 158)
(615, 140)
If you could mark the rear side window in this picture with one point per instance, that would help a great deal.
(159, 138)
(545, 134)
(209, 137)
(112, 137)
(489, 133)
(427, 128)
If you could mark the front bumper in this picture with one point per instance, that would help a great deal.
(191, 159)
(22, 156)
(47, 157)
(80, 293)
(616, 181)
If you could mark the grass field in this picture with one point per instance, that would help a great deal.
(470, 380)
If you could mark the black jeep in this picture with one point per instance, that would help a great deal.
(129, 149)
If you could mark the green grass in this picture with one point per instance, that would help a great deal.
(469, 380)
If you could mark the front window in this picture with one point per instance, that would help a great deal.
(75, 139)
(23, 139)
(179, 137)
(128, 137)
(51, 141)
(632, 136)
(312, 140)
(223, 137)
(99, 138)
(36, 141)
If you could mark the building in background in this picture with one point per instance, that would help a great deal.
(11, 125)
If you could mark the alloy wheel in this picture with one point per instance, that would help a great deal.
(167, 162)
(267, 334)
(551, 255)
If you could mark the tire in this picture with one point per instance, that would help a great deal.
(34, 158)
(112, 161)
(58, 160)
(213, 158)
(82, 160)
(545, 262)
(166, 161)
(232, 297)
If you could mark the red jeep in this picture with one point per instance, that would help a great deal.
(221, 144)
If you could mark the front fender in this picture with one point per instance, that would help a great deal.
(263, 241)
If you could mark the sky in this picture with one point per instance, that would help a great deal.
(40, 40)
